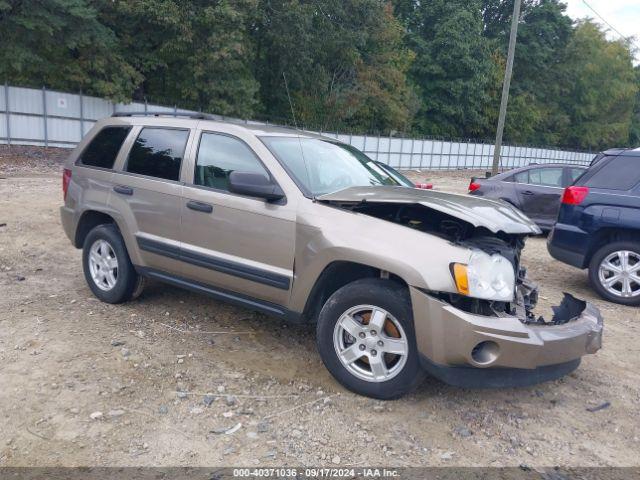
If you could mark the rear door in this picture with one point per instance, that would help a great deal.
(147, 193)
(94, 167)
(539, 190)
(231, 241)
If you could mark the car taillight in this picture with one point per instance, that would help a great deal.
(574, 195)
(473, 186)
(424, 186)
(66, 178)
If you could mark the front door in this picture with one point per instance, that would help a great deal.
(237, 243)
(540, 193)
(147, 193)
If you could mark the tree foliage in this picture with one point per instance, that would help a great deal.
(600, 87)
(422, 67)
(543, 34)
(452, 69)
(197, 54)
(344, 63)
(634, 129)
(62, 44)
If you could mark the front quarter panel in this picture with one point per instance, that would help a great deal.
(327, 234)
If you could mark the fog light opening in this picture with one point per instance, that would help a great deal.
(485, 353)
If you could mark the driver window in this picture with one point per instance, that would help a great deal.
(218, 156)
(548, 177)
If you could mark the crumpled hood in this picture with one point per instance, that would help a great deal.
(493, 215)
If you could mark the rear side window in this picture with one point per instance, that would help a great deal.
(218, 156)
(158, 152)
(522, 177)
(619, 173)
(103, 149)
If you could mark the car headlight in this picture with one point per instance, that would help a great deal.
(490, 277)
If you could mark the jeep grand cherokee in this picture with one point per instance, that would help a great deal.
(308, 229)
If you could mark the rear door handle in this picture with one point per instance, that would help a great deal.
(200, 206)
(528, 192)
(123, 189)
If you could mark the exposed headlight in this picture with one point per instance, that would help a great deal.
(490, 277)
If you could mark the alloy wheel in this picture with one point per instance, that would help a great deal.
(103, 265)
(370, 343)
(619, 273)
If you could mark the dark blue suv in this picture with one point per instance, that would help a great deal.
(598, 225)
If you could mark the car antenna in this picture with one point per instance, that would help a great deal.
(286, 87)
(293, 114)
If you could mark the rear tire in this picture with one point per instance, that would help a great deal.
(107, 267)
(606, 272)
(364, 362)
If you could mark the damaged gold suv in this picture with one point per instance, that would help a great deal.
(298, 226)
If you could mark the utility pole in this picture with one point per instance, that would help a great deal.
(505, 86)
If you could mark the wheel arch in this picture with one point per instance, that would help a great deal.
(336, 275)
(608, 235)
(87, 222)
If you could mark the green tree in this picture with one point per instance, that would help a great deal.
(344, 61)
(452, 71)
(599, 89)
(62, 44)
(197, 54)
(634, 131)
(544, 31)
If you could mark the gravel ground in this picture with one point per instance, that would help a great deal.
(174, 378)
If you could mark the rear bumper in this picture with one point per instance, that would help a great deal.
(474, 350)
(67, 218)
(569, 244)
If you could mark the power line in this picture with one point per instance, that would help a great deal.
(628, 39)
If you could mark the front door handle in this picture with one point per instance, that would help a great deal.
(528, 192)
(200, 206)
(123, 189)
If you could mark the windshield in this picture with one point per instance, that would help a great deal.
(321, 166)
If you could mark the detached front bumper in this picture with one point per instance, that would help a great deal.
(471, 350)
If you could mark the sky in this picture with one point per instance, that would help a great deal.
(623, 15)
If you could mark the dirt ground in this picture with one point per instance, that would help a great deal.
(175, 378)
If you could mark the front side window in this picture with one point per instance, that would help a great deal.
(547, 177)
(104, 147)
(218, 156)
(158, 152)
(321, 166)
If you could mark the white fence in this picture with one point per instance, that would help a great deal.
(48, 118)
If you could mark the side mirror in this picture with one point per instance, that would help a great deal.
(255, 185)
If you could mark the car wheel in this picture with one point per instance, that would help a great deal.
(107, 267)
(366, 339)
(614, 272)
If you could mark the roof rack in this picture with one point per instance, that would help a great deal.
(198, 115)
(194, 115)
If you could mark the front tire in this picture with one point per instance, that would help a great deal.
(107, 267)
(614, 272)
(366, 339)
